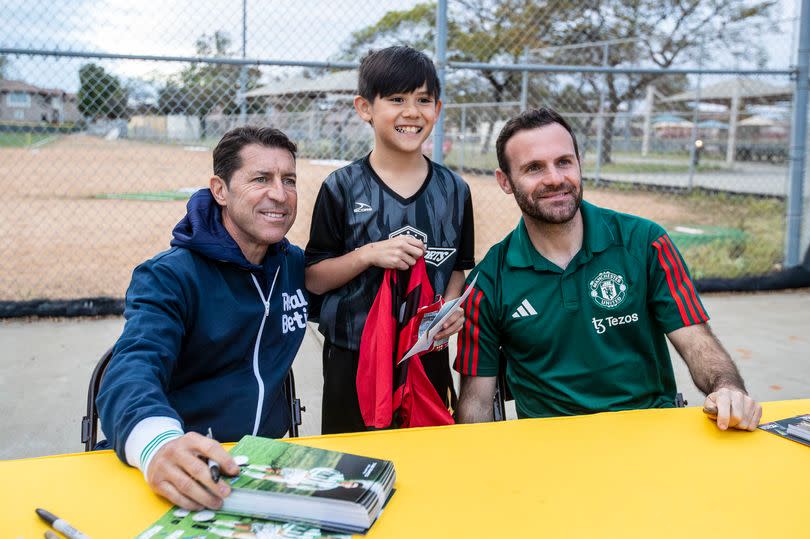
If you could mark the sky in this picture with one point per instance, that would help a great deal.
(307, 30)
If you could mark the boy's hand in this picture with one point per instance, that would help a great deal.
(453, 324)
(400, 252)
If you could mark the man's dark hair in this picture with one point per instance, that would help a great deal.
(397, 69)
(530, 119)
(226, 153)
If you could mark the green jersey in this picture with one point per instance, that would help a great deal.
(589, 338)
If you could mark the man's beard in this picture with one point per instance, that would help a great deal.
(533, 206)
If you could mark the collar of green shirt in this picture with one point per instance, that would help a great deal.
(598, 236)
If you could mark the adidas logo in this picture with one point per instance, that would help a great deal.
(525, 309)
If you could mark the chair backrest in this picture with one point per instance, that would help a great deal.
(499, 401)
(90, 420)
(502, 393)
(294, 404)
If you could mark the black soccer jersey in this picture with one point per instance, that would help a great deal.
(355, 207)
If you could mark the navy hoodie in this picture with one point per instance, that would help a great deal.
(199, 344)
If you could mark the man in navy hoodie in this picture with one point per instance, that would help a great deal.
(212, 326)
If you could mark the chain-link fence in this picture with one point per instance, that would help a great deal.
(109, 111)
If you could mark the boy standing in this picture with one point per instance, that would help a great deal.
(386, 210)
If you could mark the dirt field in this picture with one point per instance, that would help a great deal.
(61, 242)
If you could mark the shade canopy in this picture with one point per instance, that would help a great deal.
(746, 89)
(344, 82)
(670, 120)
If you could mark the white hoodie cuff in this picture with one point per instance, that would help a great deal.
(147, 437)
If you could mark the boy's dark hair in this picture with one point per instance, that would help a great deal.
(397, 69)
(226, 153)
(530, 119)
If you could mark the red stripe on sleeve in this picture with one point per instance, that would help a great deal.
(478, 297)
(464, 337)
(671, 256)
(672, 290)
(688, 281)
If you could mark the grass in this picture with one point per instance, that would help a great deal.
(760, 251)
(755, 245)
(150, 196)
(21, 140)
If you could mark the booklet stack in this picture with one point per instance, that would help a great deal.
(310, 491)
(795, 428)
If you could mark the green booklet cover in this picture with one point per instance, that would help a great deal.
(182, 524)
(289, 483)
(785, 428)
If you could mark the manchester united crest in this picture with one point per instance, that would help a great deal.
(608, 289)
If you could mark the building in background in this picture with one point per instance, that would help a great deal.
(23, 102)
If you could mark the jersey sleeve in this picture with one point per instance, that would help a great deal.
(326, 233)
(478, 341)
(144, 357)
(671, 294)
(466, 252)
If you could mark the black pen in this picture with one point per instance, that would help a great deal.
(212, 464)
(60, 525)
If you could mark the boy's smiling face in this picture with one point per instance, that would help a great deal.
(401, 121)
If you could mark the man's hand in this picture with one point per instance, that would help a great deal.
(179, 473)
(453, 324)
(400, 252)
(732, 408)
(717, 376)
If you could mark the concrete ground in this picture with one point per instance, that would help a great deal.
(46, 365)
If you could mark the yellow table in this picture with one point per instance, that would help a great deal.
(651, 473)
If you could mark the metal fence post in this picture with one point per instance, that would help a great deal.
(243, 70)
(524, 83)
(798, 142)
(441, 65)
(695, 120)
(600, 120)
(645, 140)
(463, 136)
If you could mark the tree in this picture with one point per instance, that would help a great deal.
(101, 94)
(651, 33)
(201, 88)
(173, 99)
(3, 66)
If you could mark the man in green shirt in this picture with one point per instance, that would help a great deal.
(578, 299)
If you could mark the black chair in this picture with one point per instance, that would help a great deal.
(502, 393)
(90, 420)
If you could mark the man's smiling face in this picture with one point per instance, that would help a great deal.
(260, 201)
(544, 174)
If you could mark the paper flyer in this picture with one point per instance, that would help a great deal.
(426, 339)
